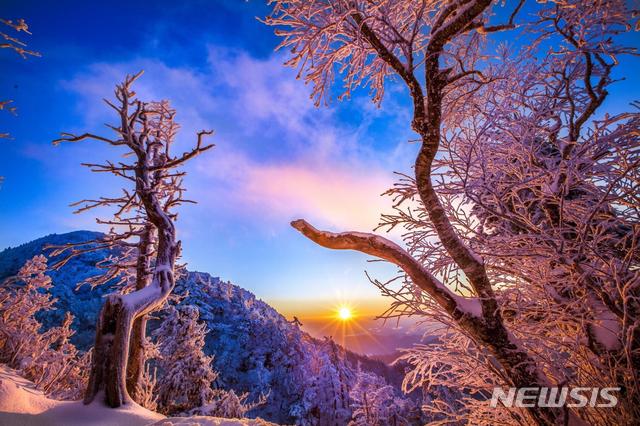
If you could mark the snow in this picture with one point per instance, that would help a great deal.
(210, 421)
(22, 404)
(17, 395)
(470, 306)
(138, 297)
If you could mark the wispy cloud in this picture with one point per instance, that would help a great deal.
(277, 155)
(330, 194)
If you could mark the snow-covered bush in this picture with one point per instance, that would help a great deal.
(46, 357)
(227, 404)
(146, 388)
(62, 370)
(21, 298)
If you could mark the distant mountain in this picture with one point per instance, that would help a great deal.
(255, 349)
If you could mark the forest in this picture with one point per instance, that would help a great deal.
(496, 144)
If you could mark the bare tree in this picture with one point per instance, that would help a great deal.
(17, 45)
(146, 130)
(131, 241)
(470, 97)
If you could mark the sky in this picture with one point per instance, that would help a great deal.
(277, 156)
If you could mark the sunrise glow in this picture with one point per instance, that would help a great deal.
(344, 313)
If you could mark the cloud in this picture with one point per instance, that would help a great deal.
(330, 195)
(184, 87)
(263, 91)
(277, 157)
(344, 198)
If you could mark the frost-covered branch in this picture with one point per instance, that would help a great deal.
(382, 248)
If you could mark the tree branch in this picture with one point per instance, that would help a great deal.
(69, 137)
(382, 248)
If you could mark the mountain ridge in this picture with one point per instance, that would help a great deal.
(255, 348)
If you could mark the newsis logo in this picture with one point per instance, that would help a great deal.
(547, 397)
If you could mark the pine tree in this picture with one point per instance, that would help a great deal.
(187, 375)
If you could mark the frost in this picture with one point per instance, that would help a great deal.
(470, 306)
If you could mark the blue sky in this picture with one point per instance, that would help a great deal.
(277, 157)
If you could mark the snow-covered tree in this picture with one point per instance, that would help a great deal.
(326, 397)
(44, 356)
(376, 403)
(146, 384)
(22, 298)
(186, 377)
(521, 214)
(146, 130)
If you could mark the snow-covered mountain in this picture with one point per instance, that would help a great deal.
(255, 349)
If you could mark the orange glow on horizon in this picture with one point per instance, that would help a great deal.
(327, 309)
(328, 318)
(342, 321)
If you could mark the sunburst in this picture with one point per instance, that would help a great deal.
(345, 313)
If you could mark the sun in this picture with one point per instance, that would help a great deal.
(344, 313)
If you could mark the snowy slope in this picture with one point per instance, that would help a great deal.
(22, 404)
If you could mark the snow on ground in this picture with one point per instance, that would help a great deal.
(22, 404)
(17, 395)
(210, 421)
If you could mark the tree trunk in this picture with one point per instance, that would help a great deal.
(113, 337)
(117, 317)
(489, 331)
(137, 356)
(519, 367)
(110, 353)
